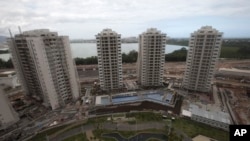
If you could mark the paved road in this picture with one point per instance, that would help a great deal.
(138, 137)
(232, 83)
(133, 127)
(88, 90)
(73, 132)
(228, 106)
(33, 129)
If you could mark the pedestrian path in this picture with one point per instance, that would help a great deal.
(90, 136)
(110, 126)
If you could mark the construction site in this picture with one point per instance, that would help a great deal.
(230, 89)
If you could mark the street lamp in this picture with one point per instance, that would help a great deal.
(136, 129)
(82, 128)
(135, 125)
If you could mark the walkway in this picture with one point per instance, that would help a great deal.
(138, 137)
(72, 132)
(110, 126)
(90, 136)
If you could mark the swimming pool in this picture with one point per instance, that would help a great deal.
(152, 96)
(158, 97)
(122, 99)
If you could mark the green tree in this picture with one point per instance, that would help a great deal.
(6, 64)
(177, 55)
(131, 57)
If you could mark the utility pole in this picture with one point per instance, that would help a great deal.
(136, 129)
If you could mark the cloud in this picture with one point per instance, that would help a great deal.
(118, 13)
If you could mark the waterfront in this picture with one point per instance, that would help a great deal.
(83, 50)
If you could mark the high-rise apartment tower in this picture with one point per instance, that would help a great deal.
(151, 57)
(109, 60)
(45, 67)
(203, 53)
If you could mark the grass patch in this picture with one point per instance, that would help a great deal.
(132, 122)
(230, 52)
(192, 129)
(127, 134)
(42, 136)
(98, 134)
(97, 120)
(74, 125)
(94, 121)
(145, 116)
(78, 137)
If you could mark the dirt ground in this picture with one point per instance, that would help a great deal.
(170, 68)
(233, 63)
(240, 103)
(241, 107)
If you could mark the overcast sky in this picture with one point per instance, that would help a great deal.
(85, 18)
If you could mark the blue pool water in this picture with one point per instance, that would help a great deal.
(155, 96)
(121, 99)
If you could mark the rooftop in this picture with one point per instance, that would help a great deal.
(234, 70)
(207, 30)
(37, 33)
(213, 115)
(153, 31)
(107, 32)
(7, 73)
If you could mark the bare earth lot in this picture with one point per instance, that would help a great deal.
(240, 102)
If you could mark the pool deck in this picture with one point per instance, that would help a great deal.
(161, 97)
(98, 99)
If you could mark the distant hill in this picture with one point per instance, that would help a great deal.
(3, 39)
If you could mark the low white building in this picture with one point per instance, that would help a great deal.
(8, 115)
(234, 72)
(202, 138)
(9, 78)
(213, 118)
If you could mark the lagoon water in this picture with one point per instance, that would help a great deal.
(84, 50)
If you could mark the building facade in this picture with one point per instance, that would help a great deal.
(8, 115)
(109, 60)
(151, 57)
(45, 67)
(203, 53)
